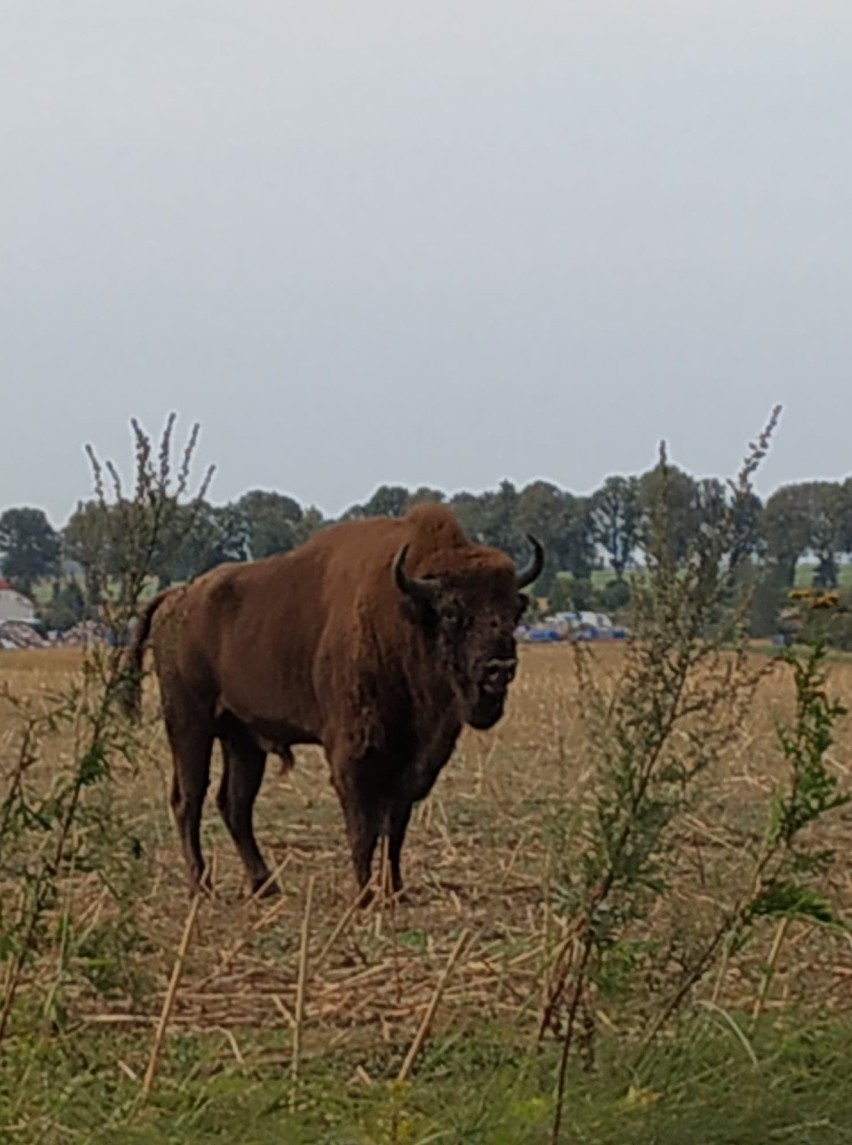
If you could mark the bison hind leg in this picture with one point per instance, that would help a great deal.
(191, 754)
(244, 763)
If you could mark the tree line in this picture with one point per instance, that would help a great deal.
(605, 530)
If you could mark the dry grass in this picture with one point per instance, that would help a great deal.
(479, 858)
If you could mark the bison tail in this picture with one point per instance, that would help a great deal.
(130, 687)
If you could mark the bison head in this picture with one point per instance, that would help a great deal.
(471, 614)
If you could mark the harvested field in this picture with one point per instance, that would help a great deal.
(481, 861)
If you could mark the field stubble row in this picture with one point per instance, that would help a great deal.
(483, 856)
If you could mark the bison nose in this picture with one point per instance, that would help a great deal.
(499, 674)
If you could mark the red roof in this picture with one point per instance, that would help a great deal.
(5, 586)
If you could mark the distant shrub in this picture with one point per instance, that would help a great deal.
(614, 595)
(66, 607)
(579, 594)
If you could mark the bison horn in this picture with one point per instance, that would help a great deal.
(532, 571)
(412, 586)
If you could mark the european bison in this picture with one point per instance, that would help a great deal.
(377, 639)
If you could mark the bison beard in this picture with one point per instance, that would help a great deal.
(377, 639)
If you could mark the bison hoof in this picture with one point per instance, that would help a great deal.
(366, 897)
(264, 889)
(200, 884)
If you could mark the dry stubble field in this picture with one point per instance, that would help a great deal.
(482, 856)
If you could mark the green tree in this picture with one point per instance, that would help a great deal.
(86, 535)
(489, 518)
(29, 547)
(559, 521)
(425, 493)
(614, 520)
(786, 530)
(353, 513)
(387, 501)
(219, 535)
(681, 505)
(468, 507)
(87, 540)
(311, 522)
(846, 516)
(575, 548)
(188, 535)
(748, 514)
(540, 510)
(825, 505)
(271, 520)
(769, 588)
(713, 500)
(498, 526)
(572, 594)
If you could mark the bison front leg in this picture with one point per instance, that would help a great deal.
(362, 814)
(397, 825)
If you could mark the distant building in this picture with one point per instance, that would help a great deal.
(14, 605)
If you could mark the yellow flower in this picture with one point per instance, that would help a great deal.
(642, 1097)
(826, 600)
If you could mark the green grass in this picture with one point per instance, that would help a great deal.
(714, 1085)
(804, 575)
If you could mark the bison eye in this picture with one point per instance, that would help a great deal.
(451, 617)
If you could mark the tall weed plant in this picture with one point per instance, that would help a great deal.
(655, 735)
(60, 827)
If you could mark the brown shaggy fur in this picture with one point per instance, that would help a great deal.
(320, 646)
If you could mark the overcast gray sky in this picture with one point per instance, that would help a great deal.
(438, 242)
